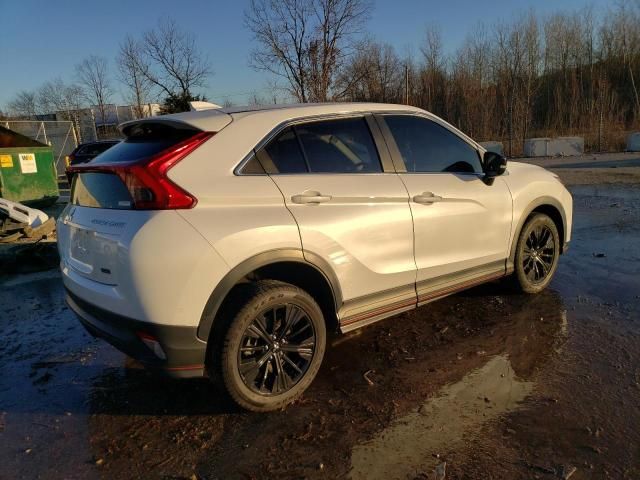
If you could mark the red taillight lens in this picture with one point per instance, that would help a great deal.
(147, 181)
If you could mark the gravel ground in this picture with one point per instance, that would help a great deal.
(482, 384)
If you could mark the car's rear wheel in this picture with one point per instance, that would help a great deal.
(537, 253)
(273, 347)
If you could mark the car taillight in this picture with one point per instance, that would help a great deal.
(146, 179)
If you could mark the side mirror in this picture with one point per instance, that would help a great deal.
(494, 164)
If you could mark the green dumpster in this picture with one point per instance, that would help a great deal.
(27, 170)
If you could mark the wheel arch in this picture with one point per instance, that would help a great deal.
(307, 271)
(549, 206)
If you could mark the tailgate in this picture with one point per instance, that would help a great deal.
(95, 241)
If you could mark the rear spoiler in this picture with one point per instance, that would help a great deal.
(210, 119)
(197, 106)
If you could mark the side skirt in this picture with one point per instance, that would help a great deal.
(365, 310)
(428, 291)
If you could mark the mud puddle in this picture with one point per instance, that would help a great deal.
(410, 444)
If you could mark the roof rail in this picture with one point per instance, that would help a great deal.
(198, 106)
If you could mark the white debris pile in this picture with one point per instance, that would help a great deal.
(633, 142)
(21, 223)
(554, 147)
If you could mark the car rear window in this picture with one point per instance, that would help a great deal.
(144, 140)
(107, 190)
(100, 190)
(95, 148)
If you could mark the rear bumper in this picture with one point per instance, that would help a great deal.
(185, 352)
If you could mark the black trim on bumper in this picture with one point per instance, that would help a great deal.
(185, 352)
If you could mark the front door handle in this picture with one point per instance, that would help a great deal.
(310, 198)
(427, 198)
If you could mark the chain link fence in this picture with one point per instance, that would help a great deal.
(80, 126)
(62, 136)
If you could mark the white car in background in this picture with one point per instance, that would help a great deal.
(227, 242)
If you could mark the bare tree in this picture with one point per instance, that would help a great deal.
(433, 82)
(172, 61)
(531, 68)
(57, 97)
(374, 75)
(131, 67)
(94, 76)
(627, 21)
(64, 100)
(24, 104)
(509, 68)
(306, 42)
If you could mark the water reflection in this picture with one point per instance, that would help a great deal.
(409, 442)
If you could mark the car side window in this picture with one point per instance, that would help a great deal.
(330, 146)
(339, 146)
(427, 147)
(252, 166)
(283, 154)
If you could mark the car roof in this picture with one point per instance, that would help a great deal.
(311, 108)
(215, 119)
(265, 116)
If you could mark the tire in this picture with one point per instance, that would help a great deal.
(264, 364)
(537, 254)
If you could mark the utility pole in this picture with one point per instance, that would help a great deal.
(406, 84)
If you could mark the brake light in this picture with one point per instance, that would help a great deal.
(146, 179)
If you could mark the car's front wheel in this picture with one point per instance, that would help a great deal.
(537, 253)
(273, 347)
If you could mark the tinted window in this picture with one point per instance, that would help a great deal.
(100, 190)
(426, 146)
(143, 141)
(339, 146)
(283, 154)
(252, 167)
(95, 148)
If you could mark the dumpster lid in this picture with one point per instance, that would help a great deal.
(11, 139)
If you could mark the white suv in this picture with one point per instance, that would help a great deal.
(227, 242)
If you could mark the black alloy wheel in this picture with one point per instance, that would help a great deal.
(272, 341)
(537, 253)
(276, 349)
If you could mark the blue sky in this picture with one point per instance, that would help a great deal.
(44, 39)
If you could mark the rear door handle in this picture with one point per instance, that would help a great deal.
(310, 198)
(427, 198)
